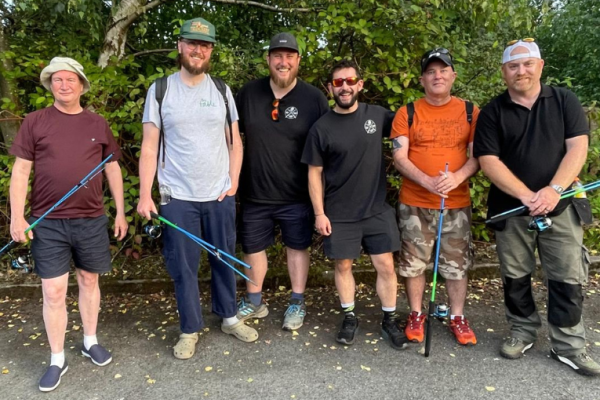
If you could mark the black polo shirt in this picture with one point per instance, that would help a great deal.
(531, 143)
(272, 172)
(349, 147)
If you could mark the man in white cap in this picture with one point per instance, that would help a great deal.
(66, 142)
(531, 142)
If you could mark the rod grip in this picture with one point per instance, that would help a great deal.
(428, 330)
(154, 215)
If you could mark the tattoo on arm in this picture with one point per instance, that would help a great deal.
(396, 145)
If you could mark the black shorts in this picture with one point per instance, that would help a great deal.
(258, 222)
(377, 235)
(56, 241)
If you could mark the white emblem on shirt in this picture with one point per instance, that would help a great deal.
(370, 127)
(93, 139)
(291, 113)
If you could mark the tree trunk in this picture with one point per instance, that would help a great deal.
(123, 15)
(9, 124)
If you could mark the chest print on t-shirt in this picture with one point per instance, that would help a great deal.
(291, 113)
(370, 127)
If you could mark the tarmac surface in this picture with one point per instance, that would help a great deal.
(140, 330)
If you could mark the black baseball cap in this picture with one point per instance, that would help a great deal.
(284, 40)
(436, 54)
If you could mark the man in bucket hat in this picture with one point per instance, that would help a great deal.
(198, 178)
(66, 142)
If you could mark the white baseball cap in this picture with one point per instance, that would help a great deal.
(533, 51)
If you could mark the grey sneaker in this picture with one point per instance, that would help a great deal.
(294, 315)
(247, 310)
(514, 348)
(583, 364)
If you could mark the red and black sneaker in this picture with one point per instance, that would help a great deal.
(462, 331)
(415, 327)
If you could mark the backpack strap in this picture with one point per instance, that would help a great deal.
(469, 107)
(222, 88)
(159, 91)
(410, 110)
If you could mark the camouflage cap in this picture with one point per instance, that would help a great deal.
(198, 29)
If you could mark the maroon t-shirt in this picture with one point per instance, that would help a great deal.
(65, 148)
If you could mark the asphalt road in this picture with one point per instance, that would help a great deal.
(140, 330)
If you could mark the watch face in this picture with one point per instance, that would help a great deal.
(558, 189)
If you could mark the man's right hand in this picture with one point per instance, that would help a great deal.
(145, 207)
(17, 230)
(323, 225)
(431, 185)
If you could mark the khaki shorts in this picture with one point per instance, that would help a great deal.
(418, 231)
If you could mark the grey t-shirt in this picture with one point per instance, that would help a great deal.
(197, 155)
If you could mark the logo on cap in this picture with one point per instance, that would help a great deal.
(198, 26)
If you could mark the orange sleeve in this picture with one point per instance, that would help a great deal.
(474, 123)
(400, 124)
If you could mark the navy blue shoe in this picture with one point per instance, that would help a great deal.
(51, 378)
(98, 354)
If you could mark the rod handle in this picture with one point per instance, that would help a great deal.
(428, 330)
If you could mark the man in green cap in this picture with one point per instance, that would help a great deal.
(201, 156)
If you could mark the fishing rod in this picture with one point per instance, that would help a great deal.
(441, 310)
(212, 250)
(567, 193)
(98, 169)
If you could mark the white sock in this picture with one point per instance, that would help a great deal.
(452, 316)
(57, 359)
(230, 321)
(388, 309)
(89, 341)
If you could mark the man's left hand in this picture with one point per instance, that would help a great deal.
(544, 201)
(120, 227)
(230, 192)
(446, 182)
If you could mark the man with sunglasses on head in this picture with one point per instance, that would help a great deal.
(532, 141)
(434, 131)
(276, 113)
(347, 183)
(198, 177)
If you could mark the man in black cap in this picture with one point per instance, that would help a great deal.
(276, 113)
(428, 134)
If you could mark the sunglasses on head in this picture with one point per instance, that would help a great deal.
(437, 52)
(526, 40)
(339, 82)
(275, 112)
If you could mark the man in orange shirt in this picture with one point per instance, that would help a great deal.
(435, 130)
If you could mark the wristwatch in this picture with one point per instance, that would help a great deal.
(557, 188)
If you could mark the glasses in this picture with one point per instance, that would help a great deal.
(339, 82)
(275, 112)
(193, 44)
(526, 40)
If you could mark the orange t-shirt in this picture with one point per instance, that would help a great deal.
(439, 135)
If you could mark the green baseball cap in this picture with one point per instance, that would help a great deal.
(198, 29)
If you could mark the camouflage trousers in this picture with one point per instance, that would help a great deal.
(418, 230)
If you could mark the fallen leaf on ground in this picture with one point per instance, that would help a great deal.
(5, 371)
(118, 376)
(490, 388)
(250, 380)
(364, 368)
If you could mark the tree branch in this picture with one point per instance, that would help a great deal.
(264, 6)
(143, 53)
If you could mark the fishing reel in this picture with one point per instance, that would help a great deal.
(539, 223)
(441, 310)
(22, 263)
(153, 231)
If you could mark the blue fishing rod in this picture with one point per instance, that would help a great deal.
(212, 250)
(98, 169)
(433, 311)
(567, 193)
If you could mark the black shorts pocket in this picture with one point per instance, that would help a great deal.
(583, 210)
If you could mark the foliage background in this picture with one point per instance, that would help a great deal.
(125, 45)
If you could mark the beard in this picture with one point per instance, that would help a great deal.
(281, 82)
(187, 64)
(340, 103)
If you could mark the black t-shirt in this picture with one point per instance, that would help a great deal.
(272, 172)
(349, 148)
(531, 143)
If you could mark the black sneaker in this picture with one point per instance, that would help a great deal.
(348, 330)
(51, 378)
(582, 363)
(98, 354)
(393, 335)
